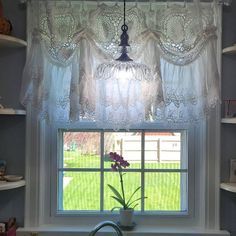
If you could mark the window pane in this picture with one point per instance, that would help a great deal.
(81, 149)
(164, 187)
(131, 183)
(81, 191)
(127, 144)
(165, 190)
(162, 150)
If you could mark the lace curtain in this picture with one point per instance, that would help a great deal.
(68, 40)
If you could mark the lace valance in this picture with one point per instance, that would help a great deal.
(68, 40)
(178, 30)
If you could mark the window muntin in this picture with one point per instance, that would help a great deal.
(158, 164)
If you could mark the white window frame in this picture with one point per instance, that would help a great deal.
(38, 204)
(184, 158)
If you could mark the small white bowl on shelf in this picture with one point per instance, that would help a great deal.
(13, 178)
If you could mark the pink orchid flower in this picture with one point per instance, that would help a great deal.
(118, 163)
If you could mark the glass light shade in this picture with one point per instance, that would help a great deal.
(123, 92)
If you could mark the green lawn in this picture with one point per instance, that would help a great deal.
(82, 189)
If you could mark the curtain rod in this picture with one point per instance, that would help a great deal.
(222, 2)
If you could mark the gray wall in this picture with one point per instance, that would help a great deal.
(228, 132)
(12, 128)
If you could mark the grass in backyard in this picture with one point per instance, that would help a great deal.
(81, 190)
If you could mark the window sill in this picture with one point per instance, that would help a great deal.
(48, 230)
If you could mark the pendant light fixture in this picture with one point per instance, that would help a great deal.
(120, 85)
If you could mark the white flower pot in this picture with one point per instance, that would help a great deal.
(126, 217)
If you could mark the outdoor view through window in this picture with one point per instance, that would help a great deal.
(158, 163)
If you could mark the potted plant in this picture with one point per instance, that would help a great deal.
(128, 203)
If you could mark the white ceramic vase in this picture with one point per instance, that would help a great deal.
(126, 217)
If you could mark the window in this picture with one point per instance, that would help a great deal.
(158, 163)
(59, 91)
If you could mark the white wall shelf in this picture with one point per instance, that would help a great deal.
(10, 41)
(229, 120)
(4, 185)
(230, 50)
(11, 111)
(231, 187)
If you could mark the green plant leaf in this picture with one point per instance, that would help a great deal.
(135, 205)
(115, 208)
(115, 192)
(133, 195)
(121, 201)
(134, 201)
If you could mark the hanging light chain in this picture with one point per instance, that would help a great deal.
(124, 12)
